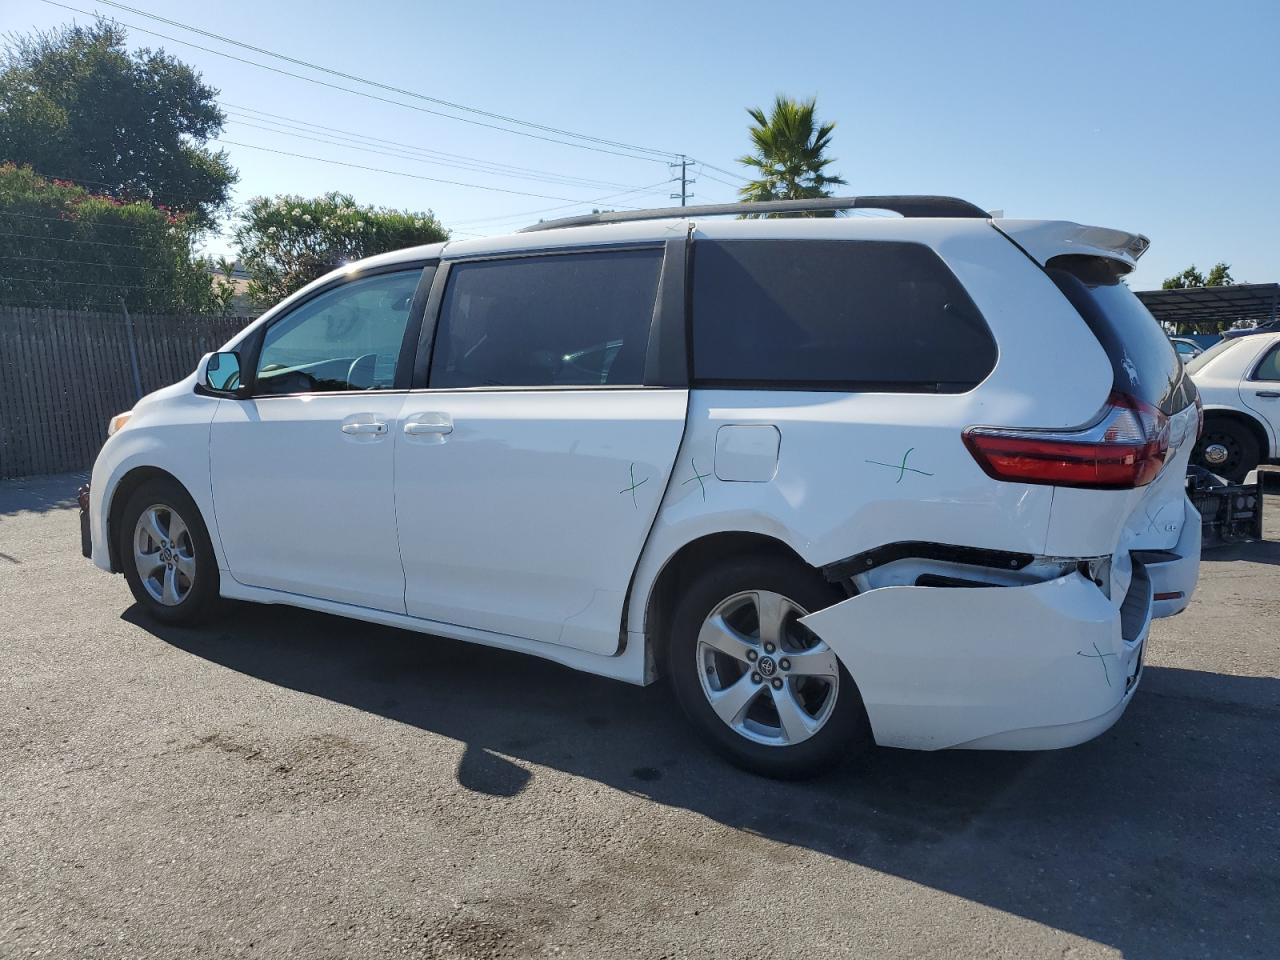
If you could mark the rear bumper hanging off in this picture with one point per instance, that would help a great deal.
(1032, 667)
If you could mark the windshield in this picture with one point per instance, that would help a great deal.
(1217, 350)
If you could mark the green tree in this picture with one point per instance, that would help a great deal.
(287, 242)
(1219, 276)
(63, 246)
(75, 104)
(790, 159)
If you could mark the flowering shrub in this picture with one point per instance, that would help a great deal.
(287, 242)
(64, 246)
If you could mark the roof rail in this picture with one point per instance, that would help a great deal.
(907, 206)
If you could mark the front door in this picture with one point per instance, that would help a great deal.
(529, 471)
(302, 471)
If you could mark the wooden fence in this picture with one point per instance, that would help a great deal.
(65, 373)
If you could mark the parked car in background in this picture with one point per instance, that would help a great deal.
(1187, 349)
(914, 480)
(1271, 326)
(1239, 383)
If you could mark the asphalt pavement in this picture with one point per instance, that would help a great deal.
(289, 784)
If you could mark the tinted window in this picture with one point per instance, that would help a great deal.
(570, 319)
(347, 338)
(1143, 361)
(834, 314)
(1269, 368)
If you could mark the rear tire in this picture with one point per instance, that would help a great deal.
(784, 706)
(166, 553)
(1227, 448)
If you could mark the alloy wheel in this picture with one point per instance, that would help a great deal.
(164, 555)
(768, 678)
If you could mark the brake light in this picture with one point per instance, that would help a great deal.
(1124, 447)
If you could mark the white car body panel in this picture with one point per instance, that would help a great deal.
(169, 431)
(1010, 659)
(526, 518)
(540, 520)
(319, 518)
(1044, 239)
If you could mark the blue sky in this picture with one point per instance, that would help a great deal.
(1153, 117)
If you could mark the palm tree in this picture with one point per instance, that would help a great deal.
(789, 160)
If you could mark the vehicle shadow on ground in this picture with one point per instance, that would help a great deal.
(1158, 839)
(1258, 551)
(40, 494)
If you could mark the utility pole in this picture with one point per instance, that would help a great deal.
(684, 194)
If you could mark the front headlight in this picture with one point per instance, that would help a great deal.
(118, 421)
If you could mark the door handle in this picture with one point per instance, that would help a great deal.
(417, 428)
(1269, 394)
(354, 429)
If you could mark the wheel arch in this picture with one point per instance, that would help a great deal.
(685, 562)
(124, 489)
(1247, 420)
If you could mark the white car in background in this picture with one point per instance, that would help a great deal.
(912, 480)
(1239, 384)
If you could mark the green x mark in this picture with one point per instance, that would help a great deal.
(632, 489)
(1101, 658)
(902, 467)
(698, 476)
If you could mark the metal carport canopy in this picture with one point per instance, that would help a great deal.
(1194, 306)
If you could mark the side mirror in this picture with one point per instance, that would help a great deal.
(222, 374)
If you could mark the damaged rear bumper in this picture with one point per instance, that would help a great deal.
(1030, 667)
(1013, 668)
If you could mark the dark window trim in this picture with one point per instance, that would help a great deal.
(251, 347)
(666, 364)
(948, 387)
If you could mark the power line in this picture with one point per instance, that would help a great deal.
(388, 87)
(532, 213)
(358, 93)
(403, 155)
(93, 223)
(302, 125)
(730, 173)
(83, 263)
(96, 243)
(400, 173)
(78, 283)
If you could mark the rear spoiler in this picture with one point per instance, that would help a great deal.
(1042, 240)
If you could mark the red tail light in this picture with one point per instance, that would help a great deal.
(1124, 448)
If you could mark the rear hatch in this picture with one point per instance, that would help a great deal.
(1088, 265)
(1147, 369)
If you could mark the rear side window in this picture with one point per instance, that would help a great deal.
(1143, 361)
(834, 315)
(1269, 368)
(577, 319)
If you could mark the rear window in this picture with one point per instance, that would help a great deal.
(834, 315)
(1143, 361)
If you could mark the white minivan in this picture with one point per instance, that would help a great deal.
(914, 480)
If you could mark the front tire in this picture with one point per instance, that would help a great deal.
(166, 553)
(763, 691)
(1227, 448)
